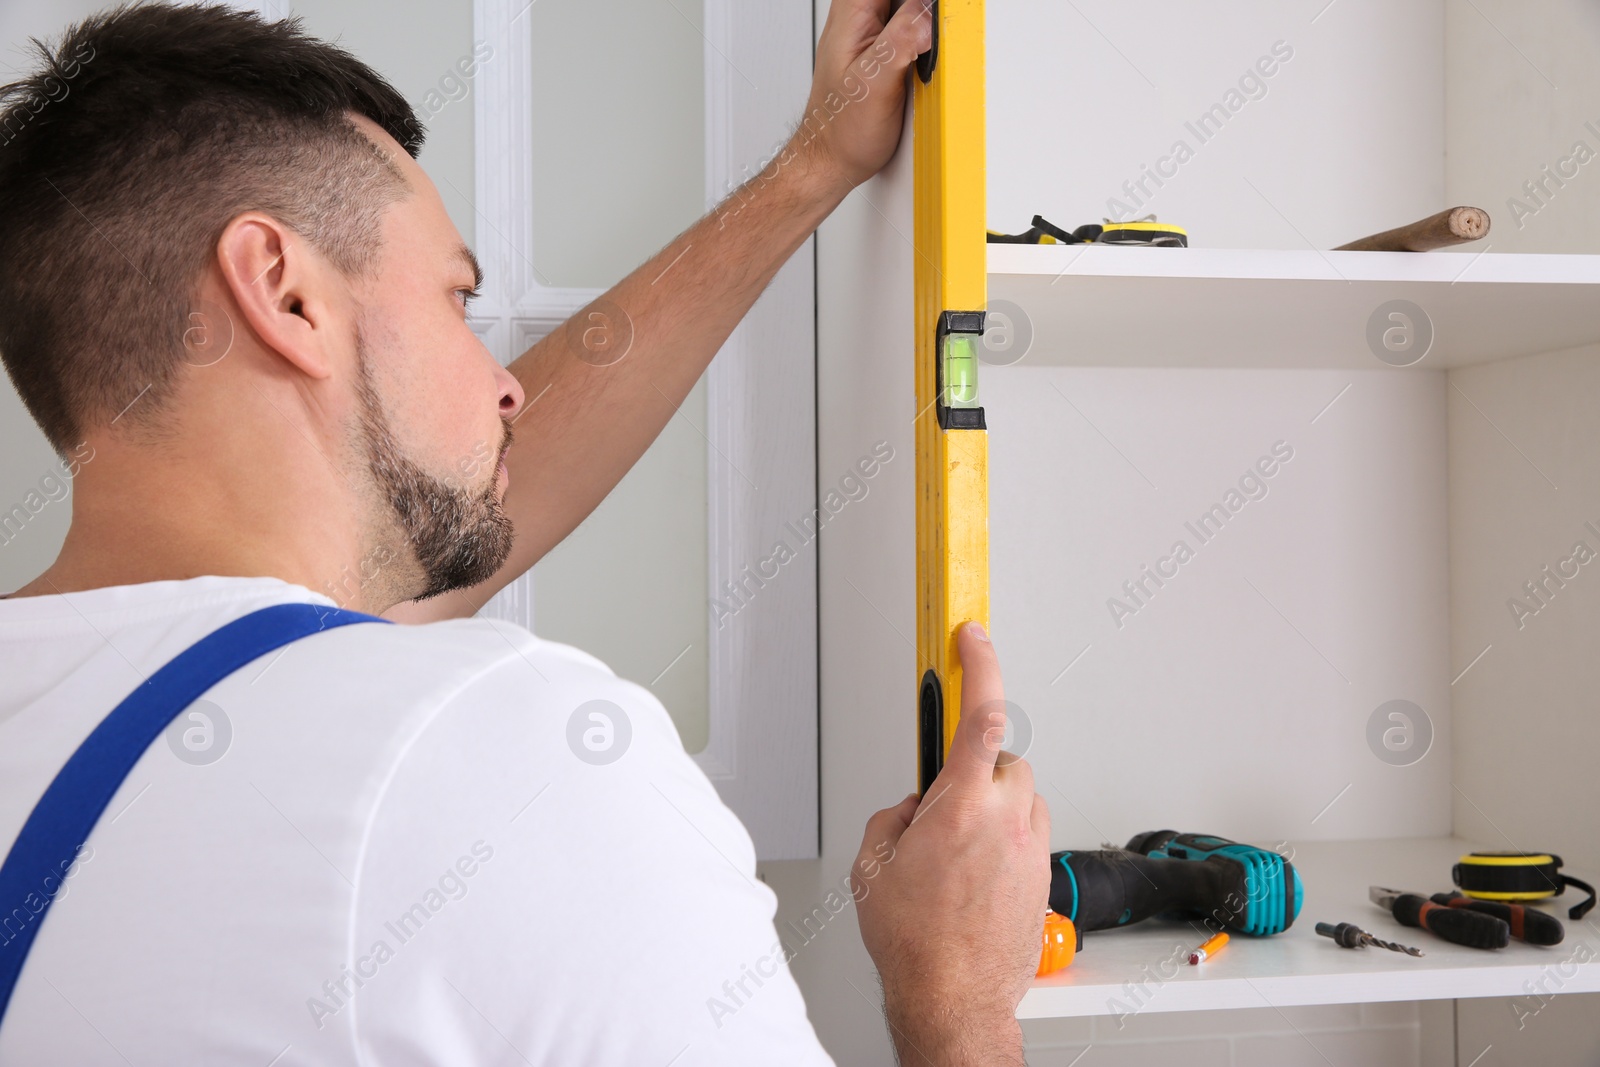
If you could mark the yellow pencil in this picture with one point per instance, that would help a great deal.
(1212, 946)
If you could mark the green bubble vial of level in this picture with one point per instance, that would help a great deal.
(960, 370)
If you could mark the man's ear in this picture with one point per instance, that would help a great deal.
(279, 285)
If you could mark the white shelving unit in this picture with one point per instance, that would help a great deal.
(1097, 305)
(1142, 968)
(1375, 565)
(1105, 308)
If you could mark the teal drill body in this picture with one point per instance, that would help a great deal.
(1235, 887)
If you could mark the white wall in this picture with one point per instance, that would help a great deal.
(1524, 491)
(1344, 138)
(1236, 699)
(1521, 86)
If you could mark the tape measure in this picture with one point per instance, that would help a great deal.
(1518, 876)
(1145, 231)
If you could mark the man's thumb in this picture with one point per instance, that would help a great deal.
(982, 727)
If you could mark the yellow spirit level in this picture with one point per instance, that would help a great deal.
(951, 279)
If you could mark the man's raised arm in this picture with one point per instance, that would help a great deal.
(586, 424)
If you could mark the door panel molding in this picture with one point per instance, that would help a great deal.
(761, 425)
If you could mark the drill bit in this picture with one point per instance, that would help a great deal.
(1392, 947)
(1349, 935)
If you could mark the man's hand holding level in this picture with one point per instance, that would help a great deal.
(953, 920)
(856, 111)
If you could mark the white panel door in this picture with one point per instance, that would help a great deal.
(759, 728)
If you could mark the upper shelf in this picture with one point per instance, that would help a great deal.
(1097, 305)
(1130, 970)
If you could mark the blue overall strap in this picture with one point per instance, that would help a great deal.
(67, 812)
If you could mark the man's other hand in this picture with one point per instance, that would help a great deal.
(858, 92)
(952, 889)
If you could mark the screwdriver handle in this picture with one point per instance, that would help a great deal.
(1527, 924)
(1471, 928)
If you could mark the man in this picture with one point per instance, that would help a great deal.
(236, 306)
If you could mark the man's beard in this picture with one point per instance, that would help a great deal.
(459, 538)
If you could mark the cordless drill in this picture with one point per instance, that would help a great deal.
(1237, 887)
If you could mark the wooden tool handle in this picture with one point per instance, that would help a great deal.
(1450, 227)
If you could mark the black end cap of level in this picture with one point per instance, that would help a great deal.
(961, 322)
(930, 59)
(961, 419)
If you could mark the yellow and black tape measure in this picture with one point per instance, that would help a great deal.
(1145, 231)
(1518, 876)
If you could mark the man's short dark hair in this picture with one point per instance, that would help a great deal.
(122, 158)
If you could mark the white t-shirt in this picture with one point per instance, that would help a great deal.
(384, 850)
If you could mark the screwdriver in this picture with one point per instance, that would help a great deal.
(1349, 935)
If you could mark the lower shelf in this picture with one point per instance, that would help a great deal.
(1145, 968)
